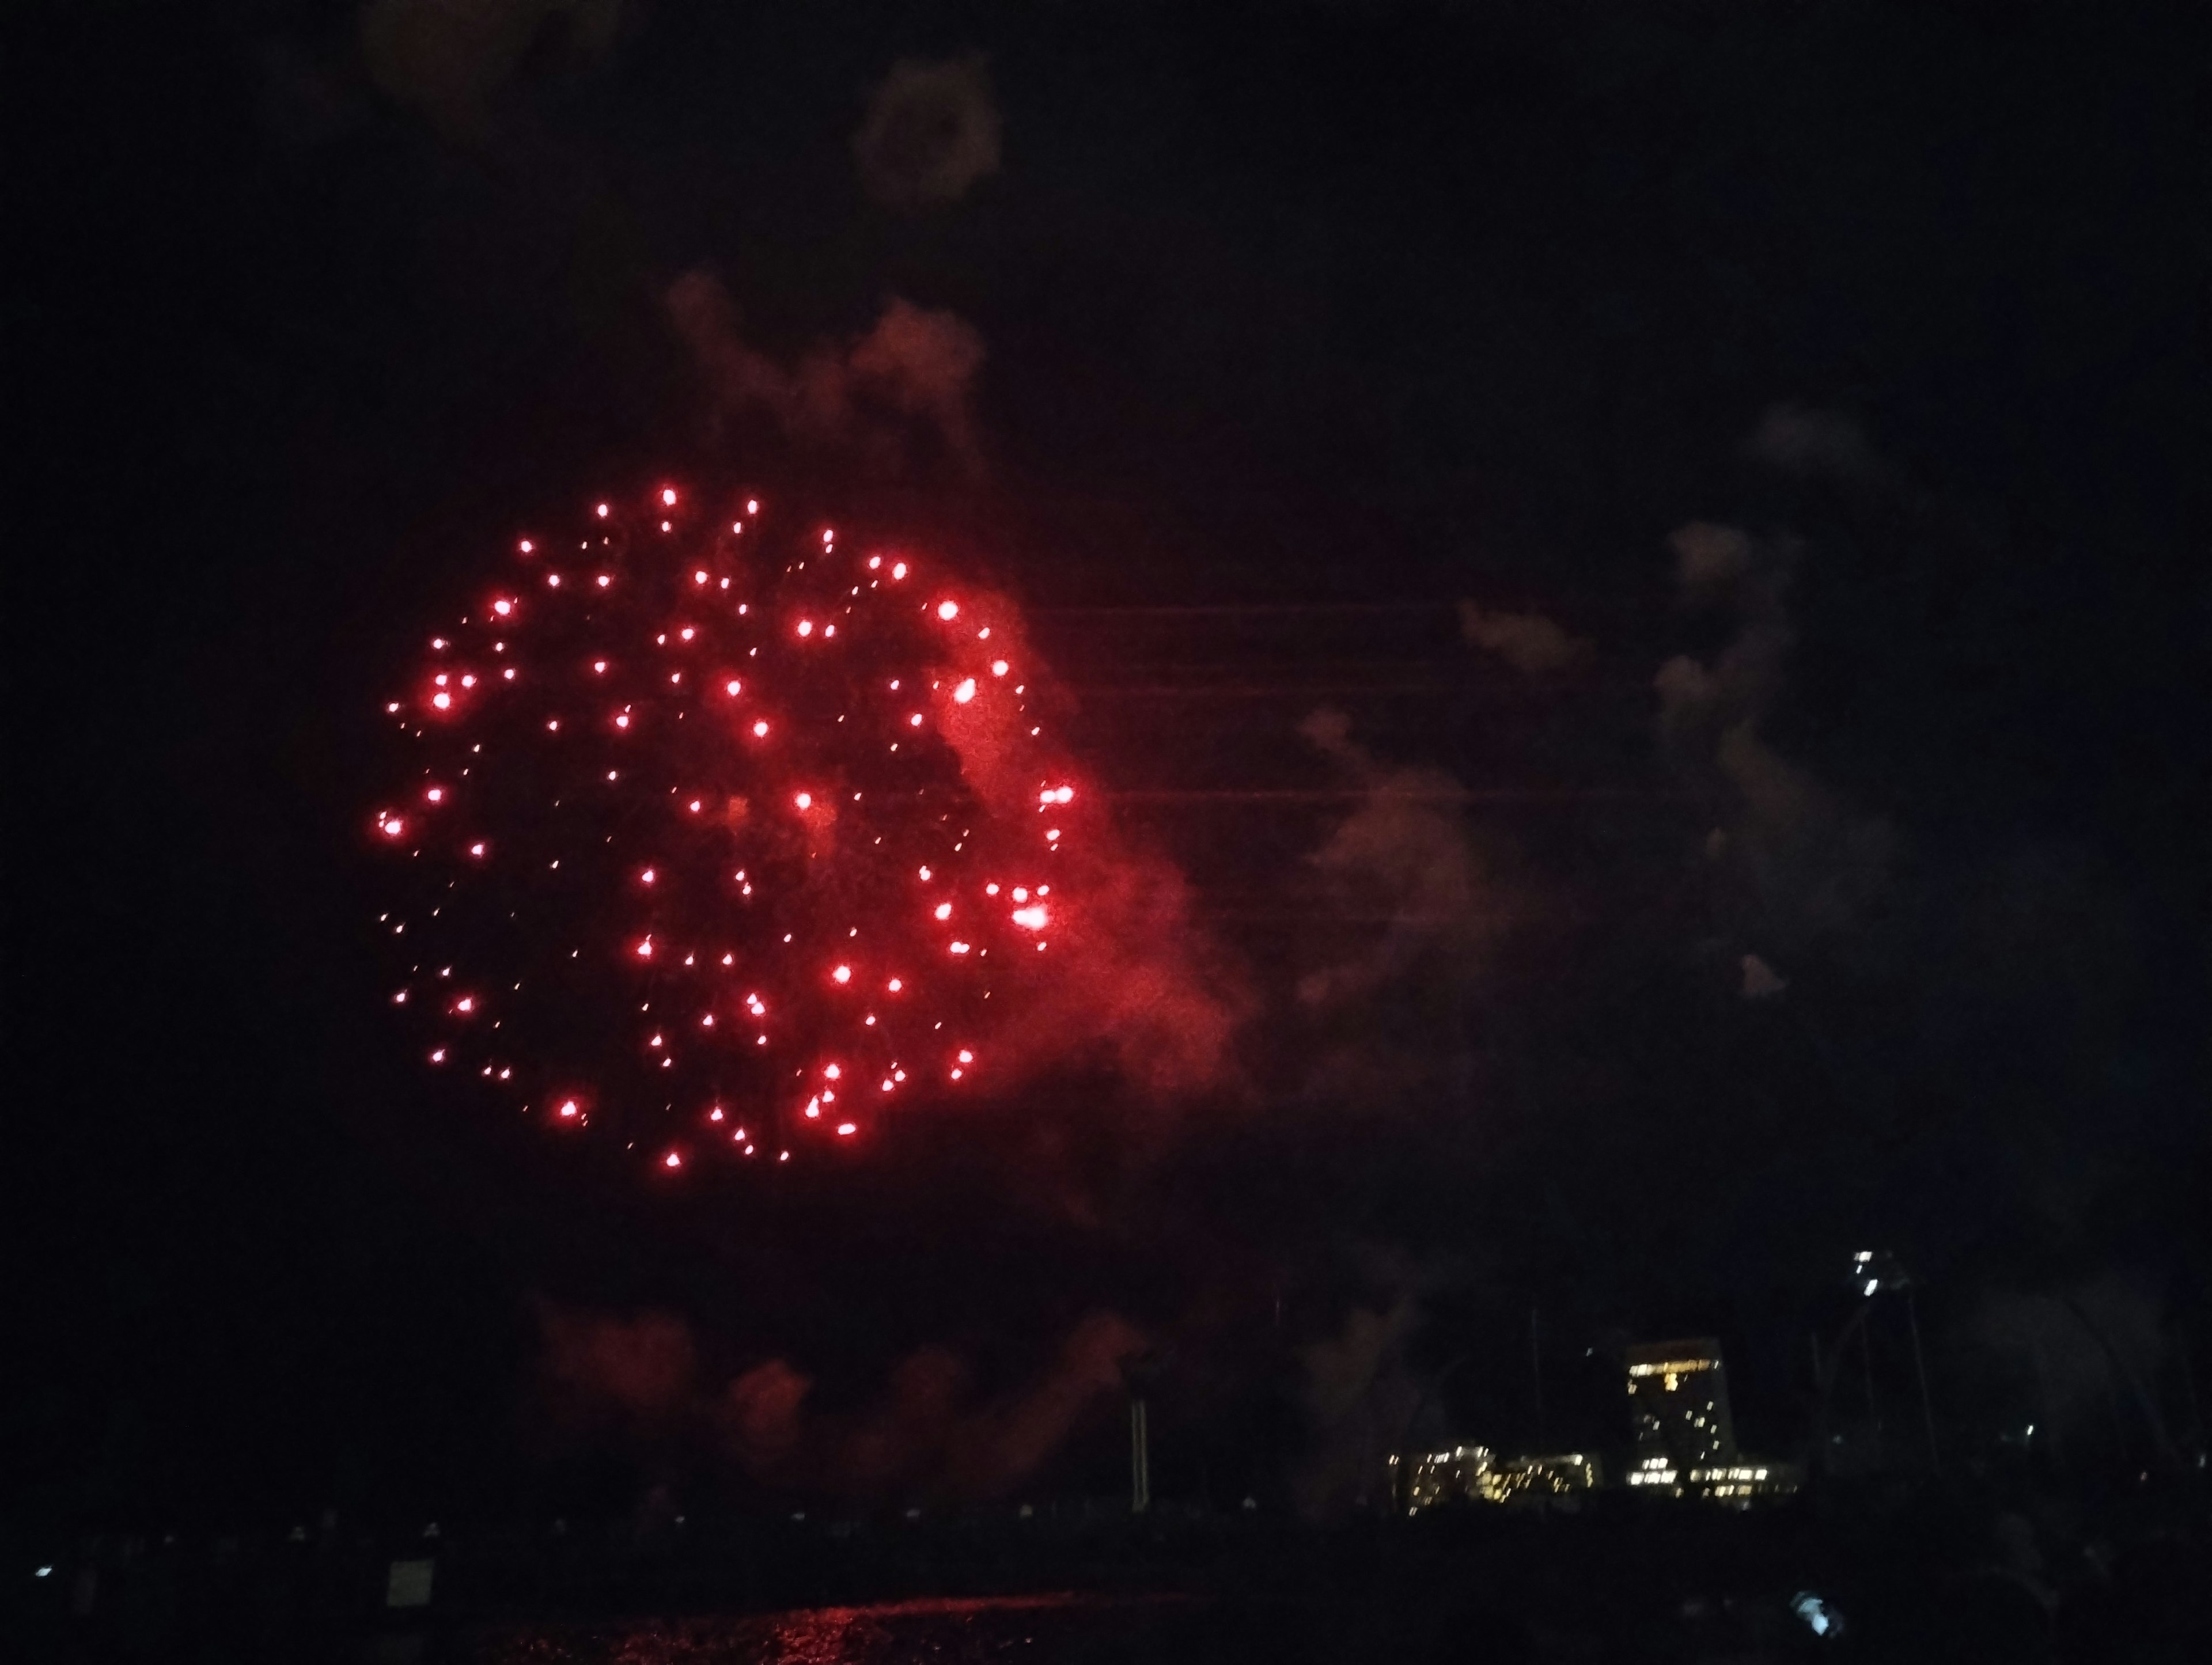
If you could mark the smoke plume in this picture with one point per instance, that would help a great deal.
(928, 1432)
(1811, 444)
(642, 1370)
(1529, 642)
(1808, 864)
(450, 59)
(1402, 859)
(932, 131)
(904, 389)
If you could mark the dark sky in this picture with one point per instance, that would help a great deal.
(1900, 308)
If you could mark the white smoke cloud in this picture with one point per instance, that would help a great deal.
(932, 131)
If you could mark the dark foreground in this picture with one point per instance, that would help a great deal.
(1903, 1576)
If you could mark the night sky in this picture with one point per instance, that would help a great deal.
(1646, 562)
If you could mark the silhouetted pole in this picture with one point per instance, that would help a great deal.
(1832, 1368)
(1140, 1460)
(2053, 1438)
(1920, 1369)
(1537, 1373)
(1866, 1357)
(1140, 1373)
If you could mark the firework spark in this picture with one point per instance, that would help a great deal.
(716, 818)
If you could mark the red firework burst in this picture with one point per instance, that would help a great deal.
(739, 837)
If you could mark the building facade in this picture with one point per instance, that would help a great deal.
(1678, 1406)
(1475, 1474)
(1678, 1403)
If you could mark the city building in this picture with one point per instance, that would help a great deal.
(1429, 1478)
(1476, 1475)
(1686, 1446)
(1678, 1404)
(1522, 1479)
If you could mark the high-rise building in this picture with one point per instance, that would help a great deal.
(1677, 1400)
(1684, 1436)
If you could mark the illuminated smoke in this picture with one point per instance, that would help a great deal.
(1360, 1401)
(759, 1416)
(1804, 863)
(1528, 642)
(932, 131)
(1760, 981)
(1809, 443)
(724, 891)
(643, 1369)
(449, 58)
(1402, 857)
(928, 1430)
(889, 397)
